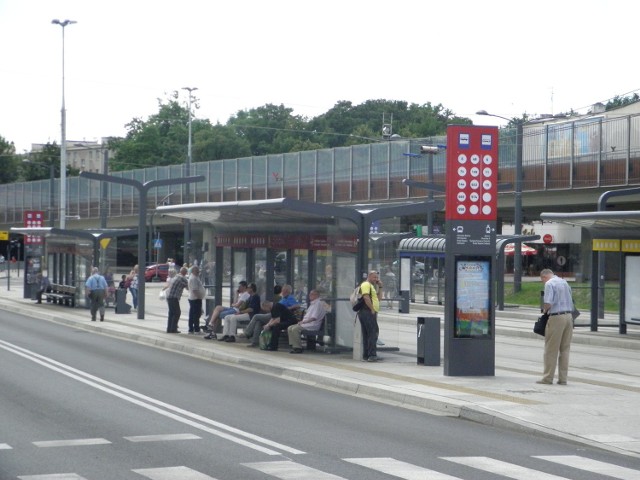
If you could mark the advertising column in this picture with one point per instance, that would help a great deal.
(471, 214)
(33, 253)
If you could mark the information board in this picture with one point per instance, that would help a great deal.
(472, 173)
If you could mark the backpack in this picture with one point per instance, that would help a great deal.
(357, 302)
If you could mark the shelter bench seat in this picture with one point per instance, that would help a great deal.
(61, 294)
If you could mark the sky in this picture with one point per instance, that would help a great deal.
(122, 57)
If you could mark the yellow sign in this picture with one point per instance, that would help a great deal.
(606, 245)
(631, 246)
(4, 235)
(104, 243)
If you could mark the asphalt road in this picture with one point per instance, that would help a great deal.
(94, 407)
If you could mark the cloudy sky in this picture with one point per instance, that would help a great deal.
(507, 57)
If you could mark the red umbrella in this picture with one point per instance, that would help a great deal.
(524, 249)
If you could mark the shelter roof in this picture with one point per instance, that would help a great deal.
(601, 224)
(436, 244)
(288, 215)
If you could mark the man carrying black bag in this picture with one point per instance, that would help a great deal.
(558, 304)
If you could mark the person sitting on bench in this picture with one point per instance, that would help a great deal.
(312, 321)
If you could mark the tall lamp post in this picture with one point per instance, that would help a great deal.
(63, 135)
(517, 215)
(187, 222)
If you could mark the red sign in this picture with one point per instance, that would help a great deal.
(472, 173)
(33, 219)
(547, 238)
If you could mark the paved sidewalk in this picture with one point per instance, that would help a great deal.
(598, 407)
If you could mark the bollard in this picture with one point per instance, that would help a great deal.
(429, 341)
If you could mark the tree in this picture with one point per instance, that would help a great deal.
(617, 101)
(9, 161)
(160, 140)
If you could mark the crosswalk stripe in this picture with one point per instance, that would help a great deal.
(287, 470)
(506, 469)
(400, 469)
(5, 446)
(163, 438)
(53, 476)
(172, 473)
(594, 466)
(72, 443)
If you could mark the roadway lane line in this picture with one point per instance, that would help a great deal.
(593, 466)
(163, 438)
(400, 469)
(53, 476)
(288, 470)
(172, 473)
(170, 411)
(505, 469)
(80, 442)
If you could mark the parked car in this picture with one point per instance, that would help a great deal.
(162, 270)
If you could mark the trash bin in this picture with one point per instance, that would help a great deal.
(429, 341)
(403, 303)
(121, 301)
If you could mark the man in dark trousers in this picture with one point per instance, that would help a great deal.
(368, 316)
(178, 284)
(96, 289)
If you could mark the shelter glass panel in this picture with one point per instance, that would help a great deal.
(361, 172)
(215, 181)
(308, 176)
(301, 275)
(244, 179)
(260, 272)
(325, 172)
(275, 170)
(259, 178)
(230, 176)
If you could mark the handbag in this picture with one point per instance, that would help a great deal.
(162, 295)
(265, 339)
(575, 313)
(541, 324)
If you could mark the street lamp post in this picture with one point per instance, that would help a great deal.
(63, 135)
(517, 215)
(187, 223)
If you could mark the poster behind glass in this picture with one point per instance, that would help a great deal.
(473, 297)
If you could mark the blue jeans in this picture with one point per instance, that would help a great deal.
(134, 295)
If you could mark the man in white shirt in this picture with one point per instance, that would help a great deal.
(312, 321)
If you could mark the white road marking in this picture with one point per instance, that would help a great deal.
(164, 438)
(506, 469)
(53, 476)
(172, 473)
(170, 411)
(287, 470)
(5, 446)
(594, 466)
(400, 469)
(79, 442)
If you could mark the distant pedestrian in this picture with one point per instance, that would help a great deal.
(174, 292)
(196, 295)
(43, 286)
(133, 286)
(558, 303)
(96, 287)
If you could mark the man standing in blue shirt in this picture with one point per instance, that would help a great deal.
(96, 289)
(558, 303)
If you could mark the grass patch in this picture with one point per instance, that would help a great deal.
(529, 295)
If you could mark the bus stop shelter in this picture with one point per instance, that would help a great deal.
(284, 226)
(433, 247)
(70, 254)
(611, 231)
